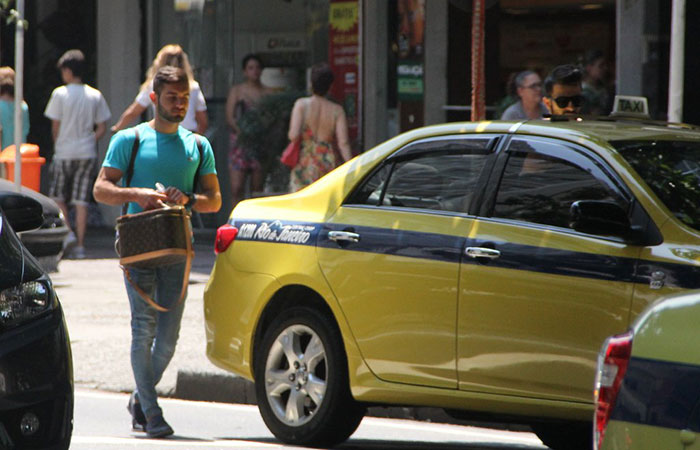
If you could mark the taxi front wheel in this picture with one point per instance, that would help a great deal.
(302, 381)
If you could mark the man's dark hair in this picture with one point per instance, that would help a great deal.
(169, 75)
(321, 78)
(249, 57)
(73, 60)
(567, 74)
(7, 86)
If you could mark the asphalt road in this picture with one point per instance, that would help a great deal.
(102, 422)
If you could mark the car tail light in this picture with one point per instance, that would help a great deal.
(612, 365)
(225, 236)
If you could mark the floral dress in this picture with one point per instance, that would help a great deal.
(316, 158)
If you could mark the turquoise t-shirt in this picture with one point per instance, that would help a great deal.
(170, 159)
(7, 120)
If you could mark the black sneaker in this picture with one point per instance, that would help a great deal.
(157, 427)
(138, 418)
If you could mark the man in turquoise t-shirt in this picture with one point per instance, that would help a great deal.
(167, 154)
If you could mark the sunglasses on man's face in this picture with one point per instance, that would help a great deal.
(563, 101)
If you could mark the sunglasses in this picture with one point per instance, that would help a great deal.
(563, 101)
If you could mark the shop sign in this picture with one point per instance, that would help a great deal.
(343, 56)
(279, 42)
(410, 80)
(188, 5)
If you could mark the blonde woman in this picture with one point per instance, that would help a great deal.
(319, 123)
(196, 117)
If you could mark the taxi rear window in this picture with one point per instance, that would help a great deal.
(672, 171)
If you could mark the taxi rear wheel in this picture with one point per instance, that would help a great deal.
(302, 383)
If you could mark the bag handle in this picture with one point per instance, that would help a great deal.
(185, 278)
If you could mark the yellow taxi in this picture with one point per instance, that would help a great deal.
(476, 267)
(647, 392)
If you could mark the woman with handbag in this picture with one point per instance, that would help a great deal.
(315, 124)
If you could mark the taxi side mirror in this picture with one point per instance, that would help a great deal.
(601, 218)
(23, 212)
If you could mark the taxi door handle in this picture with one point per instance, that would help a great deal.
(482, 252)
(343, 236)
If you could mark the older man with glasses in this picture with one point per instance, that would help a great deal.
(528, 87)
(563, 93)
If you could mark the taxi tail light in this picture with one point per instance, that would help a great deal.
(612, 365)
(225, 236)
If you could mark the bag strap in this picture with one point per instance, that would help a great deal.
(132, 159)
(185, 277)
(201, 159)
(130, 168)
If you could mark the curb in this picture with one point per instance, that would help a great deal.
(211, 387)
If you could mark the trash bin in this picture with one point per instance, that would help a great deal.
(31, 164)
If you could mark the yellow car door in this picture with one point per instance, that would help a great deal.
(391, 255)
(537, 298)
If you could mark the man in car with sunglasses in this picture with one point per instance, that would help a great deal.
(563, 90)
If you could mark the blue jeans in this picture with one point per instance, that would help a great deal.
(153, 333)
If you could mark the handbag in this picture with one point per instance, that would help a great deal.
(290, 155)
(155, 238)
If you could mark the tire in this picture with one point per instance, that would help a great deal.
(565, 436)
(302, 381)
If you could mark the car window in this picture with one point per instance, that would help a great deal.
(672, 170)
(542, 179)
(442, 181)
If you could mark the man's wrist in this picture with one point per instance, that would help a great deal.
(191, 199)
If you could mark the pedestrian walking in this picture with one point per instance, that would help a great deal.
(78, 114)
(318, 123)
(563, 90)
(166, 153)
(170, 55)
(528, 89)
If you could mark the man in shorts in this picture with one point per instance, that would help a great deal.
(78, 116)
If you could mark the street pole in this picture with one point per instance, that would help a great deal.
(677, 62)
(19, 90)
(478, 71)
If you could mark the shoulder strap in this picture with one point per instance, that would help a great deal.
(130, 168)
(201, 159)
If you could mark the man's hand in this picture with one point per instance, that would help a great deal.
(176, 196)
(150, 199)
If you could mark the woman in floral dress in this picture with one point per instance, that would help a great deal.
(318, 122)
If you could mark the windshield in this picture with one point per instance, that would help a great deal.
(672, 170)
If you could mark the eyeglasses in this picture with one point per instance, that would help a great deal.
(534, 86)
(563, 101)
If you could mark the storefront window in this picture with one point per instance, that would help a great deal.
(289, 37)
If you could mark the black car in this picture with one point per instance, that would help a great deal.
(46, 242)
(36, 372)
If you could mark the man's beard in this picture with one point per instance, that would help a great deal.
(170, 118)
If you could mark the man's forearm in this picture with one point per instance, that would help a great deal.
(207, 202)
(111, 194)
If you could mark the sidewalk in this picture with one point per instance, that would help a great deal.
(97, 313)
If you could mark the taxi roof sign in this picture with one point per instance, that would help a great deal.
(630, 106)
